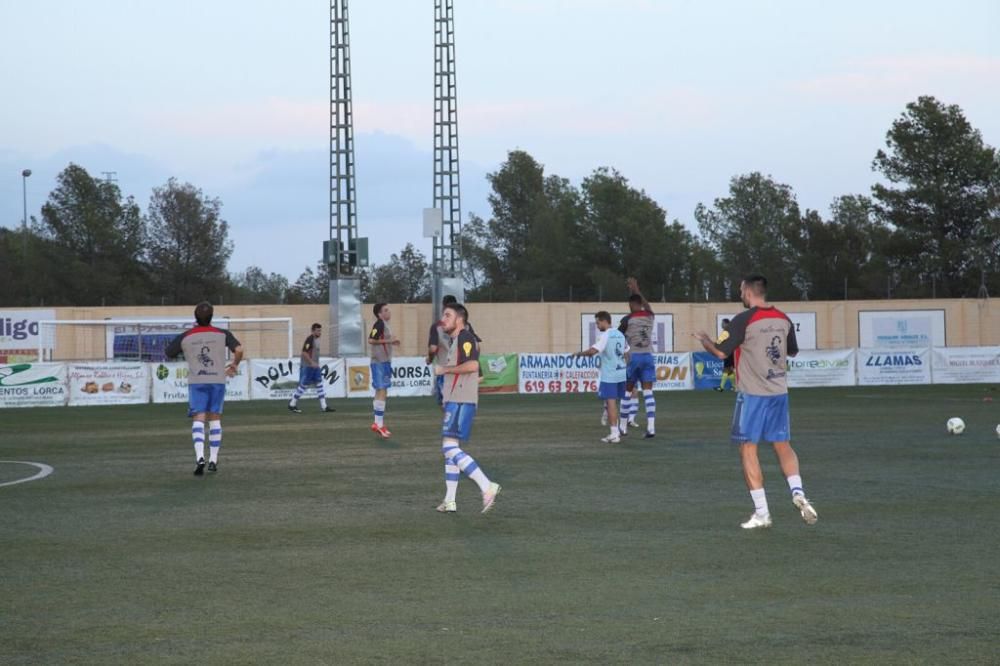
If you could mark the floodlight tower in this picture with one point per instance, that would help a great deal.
(444, 220)
(344, 253)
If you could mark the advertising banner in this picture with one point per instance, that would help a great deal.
(804, 322)
(673, 372)
(906, 329)
(557, 373)
(277, 379)
(19, 334)
(663, 330)
(170, 382)
(828, 367)
(108, 384)
(411, 376)
(965, 365)
(707, 371)
(499, 373)
(33, 385)
(894, 366)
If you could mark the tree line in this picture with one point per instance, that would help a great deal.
(930, 226)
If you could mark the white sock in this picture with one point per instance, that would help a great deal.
(451, 475)
(651, 423)
(293, 402)
(623, 423)
(198, 437)
(614, 431)
(322, 403)
(214, 440)
(759, 502)
(795, 484)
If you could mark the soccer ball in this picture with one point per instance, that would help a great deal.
(956, 426)
(998, 431)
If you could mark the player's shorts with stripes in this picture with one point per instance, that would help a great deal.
(458, 418)
(308, 375)
(381, 375)
(641, 369)
(758, 418)
(611, 390)
(205, 398)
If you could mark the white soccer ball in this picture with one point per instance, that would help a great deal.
(956, 426)
(998, 431)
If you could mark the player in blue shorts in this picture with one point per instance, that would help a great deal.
(461, 396)
(613, 351)
(761, 339)
(380, 344)
(204, 347)
(638, 329)
(310, 372)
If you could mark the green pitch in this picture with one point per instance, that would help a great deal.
(317, 543)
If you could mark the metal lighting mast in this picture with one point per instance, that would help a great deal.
(344, 253)
(444, 220)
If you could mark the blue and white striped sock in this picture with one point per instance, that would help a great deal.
(299, 392)
(214, 440)
(451, 476)
(198, 437)
(466, 463)
(795, 485)
(378, 406)
(321, 394)
(650, 409)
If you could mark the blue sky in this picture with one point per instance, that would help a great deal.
(678, 96)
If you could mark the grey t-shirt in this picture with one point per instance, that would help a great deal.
(464, 387)
(761, 340)
(204, 349)
(638, 330)
(380, 353)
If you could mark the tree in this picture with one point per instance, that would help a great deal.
(751, 230)
(255, 286)
(312, 286)
(945, 208)
(96, 242)
(406, 278)
(188, 246)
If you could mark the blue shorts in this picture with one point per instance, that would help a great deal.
(458, 420)
(611, 390)
(205, 398)
(759, 418)
(309, 375)
(439, 389)
(641, 369)
(382, 375)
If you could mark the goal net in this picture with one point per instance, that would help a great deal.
(147, 339)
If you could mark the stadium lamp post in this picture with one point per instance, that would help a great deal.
(24, 221)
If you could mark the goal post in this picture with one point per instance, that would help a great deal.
(146, 339)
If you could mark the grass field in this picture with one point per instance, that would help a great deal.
(316, 543)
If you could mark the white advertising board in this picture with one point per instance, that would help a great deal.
(108, 384)
(673, 372)
(411, 376)
(827, 367)
(663, 330)
(19, 334)
(804, 322)
(558, 373)
(910, 329)
(277, 379)
(965, 365)
(33, 385)
(878, 367)
(170, 382)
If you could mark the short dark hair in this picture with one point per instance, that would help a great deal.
(377, 308)
(635, 298)
(448, 300)
(725, 321)
(203, 313)
(459, 309)
(315, 326)
(756, 283)
(603, 315)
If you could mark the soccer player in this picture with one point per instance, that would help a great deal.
(461, 396)
(438, 346)
(728, 373)
(204, 348)
(380, 344)
(310, 372)
(613, 350)
(638, 329)
(761, 338)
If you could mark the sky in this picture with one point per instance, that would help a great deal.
(679, 96)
